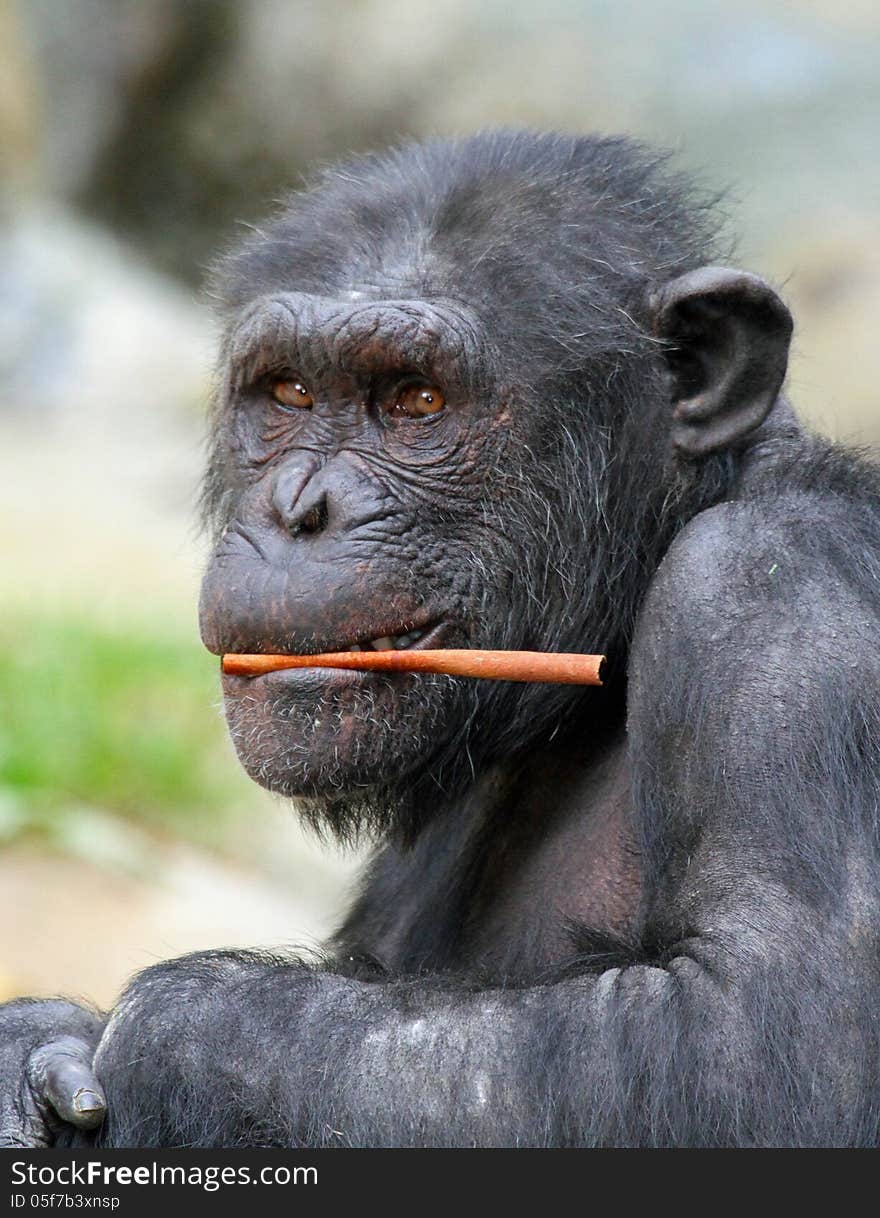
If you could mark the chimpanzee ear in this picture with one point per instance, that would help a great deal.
(728, 334)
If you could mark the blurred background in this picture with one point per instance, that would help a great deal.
(136, 137)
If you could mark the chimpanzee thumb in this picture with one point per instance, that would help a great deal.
(61, 1078)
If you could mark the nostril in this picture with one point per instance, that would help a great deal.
(314, 520)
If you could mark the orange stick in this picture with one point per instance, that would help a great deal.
(565, 668)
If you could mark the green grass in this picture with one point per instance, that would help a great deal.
(122, 720)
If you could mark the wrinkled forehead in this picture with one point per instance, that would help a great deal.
(358, 336)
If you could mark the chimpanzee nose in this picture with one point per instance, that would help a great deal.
(300, 497)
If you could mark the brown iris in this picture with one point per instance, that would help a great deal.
(416, 400)
(292, 393)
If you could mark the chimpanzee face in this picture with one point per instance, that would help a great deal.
(366, 477)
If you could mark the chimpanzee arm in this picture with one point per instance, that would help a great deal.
(755, 729)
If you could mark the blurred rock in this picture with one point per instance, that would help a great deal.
(19, 110)
(82, 929)
(172, 121)
(104, 373)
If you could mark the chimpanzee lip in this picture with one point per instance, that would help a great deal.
(408, 637)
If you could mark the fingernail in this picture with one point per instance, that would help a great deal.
(85, 1100)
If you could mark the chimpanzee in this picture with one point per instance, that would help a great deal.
(493, 392)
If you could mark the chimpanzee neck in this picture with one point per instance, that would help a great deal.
(494, 885)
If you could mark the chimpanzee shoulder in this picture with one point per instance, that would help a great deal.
(793, 554)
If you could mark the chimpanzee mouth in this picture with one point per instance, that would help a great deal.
(318, 678)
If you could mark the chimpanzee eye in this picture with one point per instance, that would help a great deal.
(291, 392)
(415, 400)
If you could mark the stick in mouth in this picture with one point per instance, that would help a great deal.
(565, 668)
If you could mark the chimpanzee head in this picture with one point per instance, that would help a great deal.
(468, 391)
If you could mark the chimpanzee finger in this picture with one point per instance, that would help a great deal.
(60, 1074)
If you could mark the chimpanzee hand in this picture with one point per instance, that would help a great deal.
(48, 1091)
